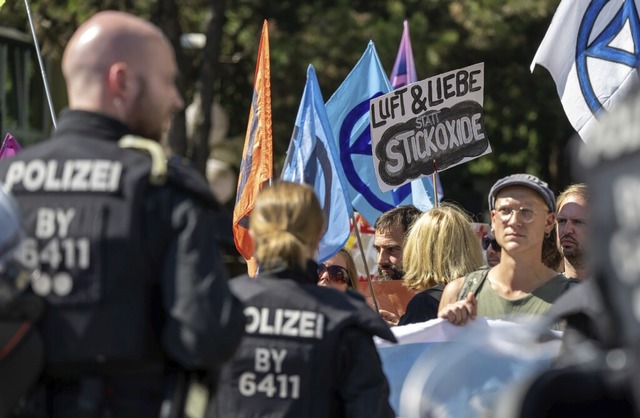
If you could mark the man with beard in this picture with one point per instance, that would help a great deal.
(122, 240)
(391, 228)
(572, 222)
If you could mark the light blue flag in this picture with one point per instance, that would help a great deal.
(312, 158)
(348, 112)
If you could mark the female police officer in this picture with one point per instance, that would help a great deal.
(307, 349)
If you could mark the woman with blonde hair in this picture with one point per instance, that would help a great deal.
(307, 350)
(441, 246)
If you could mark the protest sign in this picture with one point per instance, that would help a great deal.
(392, 295)
(481, 229)
(437, 122)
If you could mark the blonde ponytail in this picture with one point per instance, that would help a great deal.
(285, 224)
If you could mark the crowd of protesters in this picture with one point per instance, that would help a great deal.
(130, 338)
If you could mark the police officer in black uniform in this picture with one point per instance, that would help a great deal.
(123, 240)
(21, 348)
(307, 350)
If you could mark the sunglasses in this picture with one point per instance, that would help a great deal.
(486, 241)
(337, 274)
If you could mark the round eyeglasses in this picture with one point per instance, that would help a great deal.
(524, 215)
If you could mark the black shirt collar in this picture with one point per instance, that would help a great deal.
(90, 124)
(308, 275)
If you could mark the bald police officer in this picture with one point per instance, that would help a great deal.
(123, 240)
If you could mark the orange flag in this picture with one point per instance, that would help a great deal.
(256, 167)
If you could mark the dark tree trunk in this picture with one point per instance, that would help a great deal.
(166, 17)
(210, 67)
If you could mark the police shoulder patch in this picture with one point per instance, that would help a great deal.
(158, 174)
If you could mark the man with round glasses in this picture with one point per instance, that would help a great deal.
(522, 214)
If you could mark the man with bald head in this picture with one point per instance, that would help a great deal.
(121, 239)
(105, 73)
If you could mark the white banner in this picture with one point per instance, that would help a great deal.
(455, 370)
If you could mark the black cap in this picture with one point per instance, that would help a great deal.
(526, 180)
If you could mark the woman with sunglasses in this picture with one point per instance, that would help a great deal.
(440, 246)
(307, 350)
(339, 272)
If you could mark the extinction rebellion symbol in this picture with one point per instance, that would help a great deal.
(601, 46)
(362, 146)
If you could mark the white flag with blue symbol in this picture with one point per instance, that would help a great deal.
(591, 50)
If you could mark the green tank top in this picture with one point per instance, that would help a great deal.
(492, 305)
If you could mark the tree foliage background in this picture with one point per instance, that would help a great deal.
(524, 119)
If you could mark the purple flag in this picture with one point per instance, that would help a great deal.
(9, 146)
(403, 73)
(404, 70)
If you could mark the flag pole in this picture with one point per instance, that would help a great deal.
(42, 71)
(434, 180)
(364, 261)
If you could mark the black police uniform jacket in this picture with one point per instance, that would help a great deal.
(307, 351)
(130, 271)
